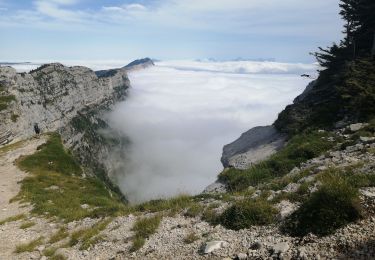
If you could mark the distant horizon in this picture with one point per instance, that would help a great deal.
(286, 31)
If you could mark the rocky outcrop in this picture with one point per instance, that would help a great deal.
(139, 64)
(253, 146)
(71, 101)
(53, 95)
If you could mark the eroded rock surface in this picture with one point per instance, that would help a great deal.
(253, 146)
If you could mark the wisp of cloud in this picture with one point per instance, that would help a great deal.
(178, 120)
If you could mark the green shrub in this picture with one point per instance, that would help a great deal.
(194, 210)
(5, 101)
(247, 213)
(334, 205)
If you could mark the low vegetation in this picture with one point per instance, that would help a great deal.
(246, 213)
(27, 224)
(89, 236)
(191, 238)
(29, 247)
(13, 218)
(298, 150)
(5, 100)
(144, 228)
(57, 188)
(335, 204)
(61, 234)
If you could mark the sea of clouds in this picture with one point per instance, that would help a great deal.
(180, 114)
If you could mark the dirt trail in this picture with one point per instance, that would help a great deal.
(10, 175)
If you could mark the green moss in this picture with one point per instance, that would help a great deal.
(247, 213)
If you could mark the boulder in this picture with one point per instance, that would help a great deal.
(280, 248)
(216, 187)
(253, 146)
(214, 245)
(356, 127)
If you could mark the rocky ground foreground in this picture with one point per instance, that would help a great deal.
(183, 237)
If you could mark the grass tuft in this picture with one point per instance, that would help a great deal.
(191, 238)
(29, 247)
(89, 236)
(247, 213)
(13, 218)
(27, 225)
(61, 234)
(143, 229)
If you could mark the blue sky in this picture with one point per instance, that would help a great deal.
(166, 29)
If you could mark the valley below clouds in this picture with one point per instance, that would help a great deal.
(180, 114)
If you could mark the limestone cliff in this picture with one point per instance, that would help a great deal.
(69, 100)
(53, 95)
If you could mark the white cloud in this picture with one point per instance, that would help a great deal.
(179, 120)
(289, 17)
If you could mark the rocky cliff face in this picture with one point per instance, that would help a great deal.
(71, 101)
(253, 146)
(53, 95)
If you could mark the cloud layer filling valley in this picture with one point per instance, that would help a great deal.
(178, 120)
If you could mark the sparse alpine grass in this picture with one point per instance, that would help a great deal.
(144, 228)
(299, 149)
(27, 224)
(12, 218)
(29, 247)
(89, 236)
(57, 188)
(335, 204)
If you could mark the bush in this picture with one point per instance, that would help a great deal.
(334, 205)
(244, 214)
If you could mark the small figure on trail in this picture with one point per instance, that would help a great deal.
(36, 128)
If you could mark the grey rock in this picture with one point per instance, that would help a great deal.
(241, 256)
(356, 127)
(280, 248)
(216, 187)
(367, 139)
(214, 245)
(286, 208)
(291, 187)
(253, 146)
